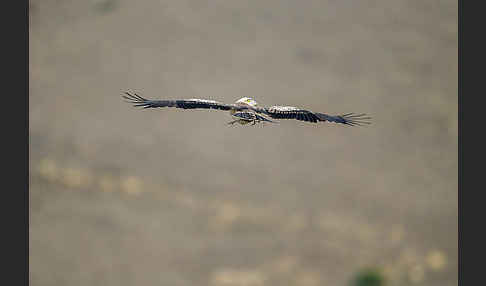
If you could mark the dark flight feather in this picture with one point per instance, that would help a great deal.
(139, 101)
(290, 112)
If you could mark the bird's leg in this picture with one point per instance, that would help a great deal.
(232, 122)
(254, 119)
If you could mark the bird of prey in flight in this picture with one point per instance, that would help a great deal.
(246, 110)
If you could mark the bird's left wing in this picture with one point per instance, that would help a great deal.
(139, 101)
(290, 112)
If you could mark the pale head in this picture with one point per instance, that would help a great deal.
(247, 101)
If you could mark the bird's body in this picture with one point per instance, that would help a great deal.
(246, 110)
(247, 113)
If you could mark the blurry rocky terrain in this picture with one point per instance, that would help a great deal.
(120, 196)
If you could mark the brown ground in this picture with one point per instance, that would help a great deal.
(120, 196)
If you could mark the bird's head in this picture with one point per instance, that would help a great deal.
(247, 101)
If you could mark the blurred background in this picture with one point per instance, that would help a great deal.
(121, 196)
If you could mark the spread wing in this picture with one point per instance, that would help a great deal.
(290, 112)
(139, 101)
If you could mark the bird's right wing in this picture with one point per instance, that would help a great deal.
(290, 112)
(139, 101)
